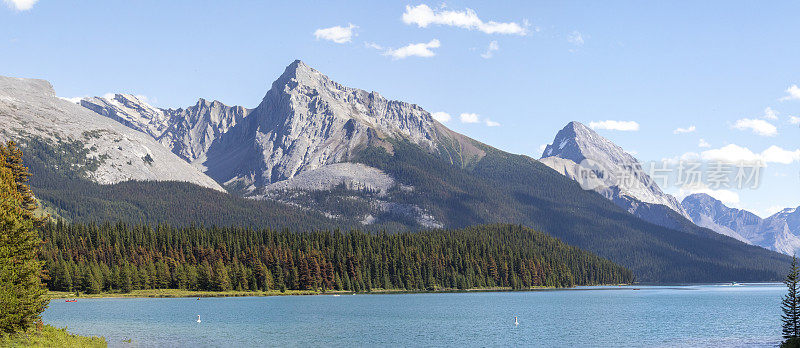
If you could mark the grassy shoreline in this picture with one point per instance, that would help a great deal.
(177, 293)
(50, 336)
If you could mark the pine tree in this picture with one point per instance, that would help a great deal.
(21, 289)
(790, 305)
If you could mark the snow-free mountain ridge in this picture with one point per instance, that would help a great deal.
(619, 176)
(306, 121)
(110, 152)
(779, 232)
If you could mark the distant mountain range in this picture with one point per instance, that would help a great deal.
(318, 151)
(778, 232)
(577, 149)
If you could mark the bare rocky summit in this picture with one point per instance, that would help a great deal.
(779, 232)
(29, 109)
(188, 132)
(305, 122)
(623, 180)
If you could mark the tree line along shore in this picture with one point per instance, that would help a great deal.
(95, 258)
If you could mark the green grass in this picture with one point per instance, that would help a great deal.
(174, 293)
(49, 336)
(179, 293)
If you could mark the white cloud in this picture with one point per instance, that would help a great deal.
(779, 155)
(615, 125)
(441, 116)
(794, 119)
(469, 118)
(373, 45)
(770, 114)
(423, 16)
(792, 93)
(20, 5)
(690, 129)
(493, 46)
(76, 100)
(337, 34)
(758, 126)
(576, 38)
(414, 50)
(733, 153)
(703, 143)
(491, 123)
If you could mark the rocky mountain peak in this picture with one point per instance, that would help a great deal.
(577, 142)
(791, 216)
(304, 122)
(307, 120)
(701, 202)
(621, 177)
(778, 232)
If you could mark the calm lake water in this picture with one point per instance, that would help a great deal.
(699, 315)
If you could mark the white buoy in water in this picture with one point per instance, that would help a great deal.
(198, 318)
(516, 322)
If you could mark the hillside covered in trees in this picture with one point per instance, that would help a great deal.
(121, 257)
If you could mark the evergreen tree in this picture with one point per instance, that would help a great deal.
(221, 279)
(790, 305)
(21, 290)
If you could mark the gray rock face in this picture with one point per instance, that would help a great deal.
(354, 176)
(29, 108)
(576, 143)
(705, 211)
(306, 121)
(778, 232)
(130, 111)
(188, 132)
(193, 130)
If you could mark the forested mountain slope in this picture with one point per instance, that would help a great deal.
(518, 189)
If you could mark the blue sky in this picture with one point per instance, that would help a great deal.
(713, 66)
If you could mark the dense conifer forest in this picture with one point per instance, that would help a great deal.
(122, 257)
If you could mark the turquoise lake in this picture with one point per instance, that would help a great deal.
(629, 316)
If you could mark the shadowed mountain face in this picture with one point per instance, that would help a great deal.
(355, 156)
(778, 232)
